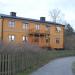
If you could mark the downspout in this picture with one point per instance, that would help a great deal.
(2, 29)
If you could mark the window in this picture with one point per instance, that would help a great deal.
(25, 38)
(47, 38)
(37, 27)
(36, 39)
(57, 40)
(58, 29)
(47, 28)
(11, 37)
(11, 23)
(0, 23)
(25, 25)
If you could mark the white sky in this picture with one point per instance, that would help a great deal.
(37, 8)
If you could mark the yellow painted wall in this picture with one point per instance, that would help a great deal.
(19, 32)
(0, 28)
(54, 34)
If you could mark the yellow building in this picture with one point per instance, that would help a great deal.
(37, 32)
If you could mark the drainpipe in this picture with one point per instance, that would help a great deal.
(2, 29)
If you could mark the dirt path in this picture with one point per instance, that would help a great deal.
(62, 66)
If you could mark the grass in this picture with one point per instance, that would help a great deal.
(27, 58)
(73, 68)
(40, 58)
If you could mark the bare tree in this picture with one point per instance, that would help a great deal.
(57, 16)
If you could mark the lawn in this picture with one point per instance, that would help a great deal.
(73, 67)
(37, 59)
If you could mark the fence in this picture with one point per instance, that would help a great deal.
(15, 59)
(10, 64)
(13, 63)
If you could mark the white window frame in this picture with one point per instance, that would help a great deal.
(11, 37)
(58, 29)
(11, 23)
(37, 27)
(25, 25)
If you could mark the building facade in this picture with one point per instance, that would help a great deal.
(37, 32)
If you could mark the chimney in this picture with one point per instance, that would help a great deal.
(42, 19)
(13, 14)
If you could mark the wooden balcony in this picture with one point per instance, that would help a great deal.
(38, 32)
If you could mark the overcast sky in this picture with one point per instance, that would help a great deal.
(37, 8)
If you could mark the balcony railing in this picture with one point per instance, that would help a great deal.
(41, 32)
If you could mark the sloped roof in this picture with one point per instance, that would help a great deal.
(28, 19)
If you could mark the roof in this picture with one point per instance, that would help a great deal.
(28, 19)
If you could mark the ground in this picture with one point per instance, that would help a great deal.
(62, 66)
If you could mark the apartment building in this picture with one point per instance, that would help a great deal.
(14, 29)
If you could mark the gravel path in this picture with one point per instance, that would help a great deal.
(62, 66)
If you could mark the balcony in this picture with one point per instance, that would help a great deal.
(38, 32)
(47, 32)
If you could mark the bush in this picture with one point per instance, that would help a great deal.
(26, 58)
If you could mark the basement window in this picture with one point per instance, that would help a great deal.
(11, 23)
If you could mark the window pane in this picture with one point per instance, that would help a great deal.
(57, 40)
(26, 38)
(47, 27)
(13, 37)
(9, 37)
(36, 39)
(0, 23)
(12, 23)
(23, 38)
(25, 26)
(37, 27)
(58, 29)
